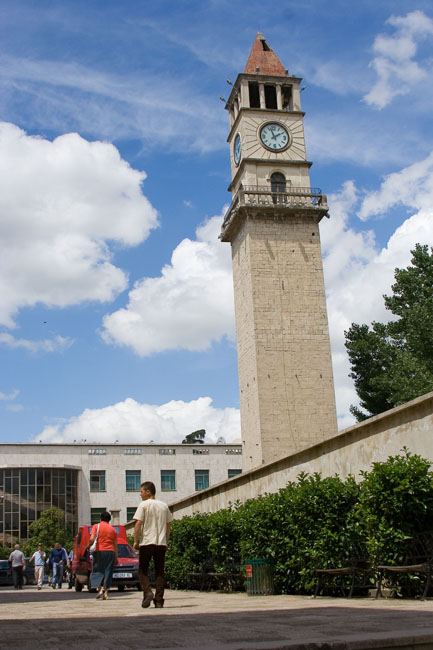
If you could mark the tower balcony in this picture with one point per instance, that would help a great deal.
(253, 200)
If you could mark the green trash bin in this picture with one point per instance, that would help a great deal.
(259, 577)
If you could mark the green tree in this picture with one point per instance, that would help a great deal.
(47, 530)
(195, 437)
(392, 363)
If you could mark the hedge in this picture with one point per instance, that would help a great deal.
(310, 524)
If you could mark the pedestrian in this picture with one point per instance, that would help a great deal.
(104, 557)
(151, 533)
(39, 558)
(18, 563)
(59, 560)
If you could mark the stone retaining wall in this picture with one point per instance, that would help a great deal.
(348, 452)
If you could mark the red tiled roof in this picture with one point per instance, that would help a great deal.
(262, 57)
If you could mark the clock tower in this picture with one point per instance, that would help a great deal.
(285, 373)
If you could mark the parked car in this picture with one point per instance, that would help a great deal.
(6, 573)
(125, 573)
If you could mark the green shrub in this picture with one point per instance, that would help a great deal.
(310, 524)
(395, 503)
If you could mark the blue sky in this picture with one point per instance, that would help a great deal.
(116, 305)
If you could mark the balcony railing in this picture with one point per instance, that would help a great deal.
(292, 197)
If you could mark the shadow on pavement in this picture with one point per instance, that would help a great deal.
(32, 595)
(325, 627)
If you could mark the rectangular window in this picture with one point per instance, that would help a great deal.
(168, 480)
(95, 515)
(130, 512)
(233, 472)
(97, 480)
(132, 451)
(201, 479)
(200, 451)
(133, 480)
(167, 452)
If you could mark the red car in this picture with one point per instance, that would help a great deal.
(125, 573)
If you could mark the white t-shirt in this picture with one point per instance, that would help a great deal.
(155, 516)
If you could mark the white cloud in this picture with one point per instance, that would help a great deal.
(60, 208)
(394, 62)
(132, 422)
(188, 306)
(56, 344)
(9, 397)
(412, 186)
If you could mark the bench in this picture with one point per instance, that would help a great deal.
(355, 565)
(207, 577)
(417, 558)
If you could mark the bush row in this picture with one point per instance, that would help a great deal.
(311, 523)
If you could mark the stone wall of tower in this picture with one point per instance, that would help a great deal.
(285, 372)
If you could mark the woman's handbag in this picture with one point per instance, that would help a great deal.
(93, 547)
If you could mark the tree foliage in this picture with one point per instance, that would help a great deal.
(196, 437)
(392, 363)
(47, 530)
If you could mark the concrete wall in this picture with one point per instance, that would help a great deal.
(348, 452)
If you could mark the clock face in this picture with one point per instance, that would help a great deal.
(237, 149)
(274, 136)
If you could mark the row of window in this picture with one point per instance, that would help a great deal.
(168, 479)
(167, 451)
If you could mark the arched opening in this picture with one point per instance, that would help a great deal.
(278, 187)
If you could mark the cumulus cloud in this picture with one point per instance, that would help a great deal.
(357, 271)
(394, 62)
(60, 209)
(188, 306)
(132, 422)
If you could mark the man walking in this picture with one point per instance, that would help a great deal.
(59, 560)
(39, 558)
(151, 533)
(18, 563)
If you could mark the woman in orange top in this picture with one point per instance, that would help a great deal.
(105, 556)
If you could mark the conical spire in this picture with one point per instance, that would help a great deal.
(263, 60)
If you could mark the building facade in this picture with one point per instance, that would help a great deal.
(84, 480)
(286, 383)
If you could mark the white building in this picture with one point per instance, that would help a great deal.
(84, 480)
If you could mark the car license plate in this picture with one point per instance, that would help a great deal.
(122, 575)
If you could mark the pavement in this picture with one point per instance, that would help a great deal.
(63, 619)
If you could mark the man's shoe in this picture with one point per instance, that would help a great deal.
(158, 604)
(147, 599)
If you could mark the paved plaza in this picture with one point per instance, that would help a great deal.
(50, 619)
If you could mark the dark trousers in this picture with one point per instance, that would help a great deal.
(17, 576)
(148, 552)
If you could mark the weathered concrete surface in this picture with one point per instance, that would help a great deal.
(348, 452)
(210, 621)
